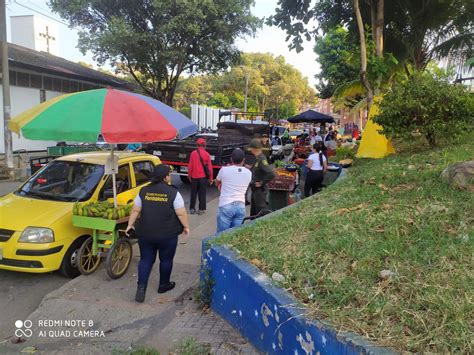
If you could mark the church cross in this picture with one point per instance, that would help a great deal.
(48, 37)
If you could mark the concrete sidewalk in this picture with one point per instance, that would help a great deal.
(108, 307)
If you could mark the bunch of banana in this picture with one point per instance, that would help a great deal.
(101, 210)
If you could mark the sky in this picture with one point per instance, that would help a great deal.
(268, 39)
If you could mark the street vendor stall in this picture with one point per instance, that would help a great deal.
(282, 187)
(119, 117)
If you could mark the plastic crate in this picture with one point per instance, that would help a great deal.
(282, 183)
(56, 151)
(78, 149)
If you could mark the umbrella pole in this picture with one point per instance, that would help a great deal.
(114, 181)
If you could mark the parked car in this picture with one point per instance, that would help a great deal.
(36, 231)
(280, 150)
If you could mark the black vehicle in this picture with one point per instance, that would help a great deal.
(230, 135)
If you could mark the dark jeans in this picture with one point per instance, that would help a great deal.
(199, 186)
(259, 200)
(312, 184)
(148, 249)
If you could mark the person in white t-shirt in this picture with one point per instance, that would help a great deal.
(232, 181)
(317, 165)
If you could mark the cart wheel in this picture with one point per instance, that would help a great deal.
(118, 258)
(87, 263)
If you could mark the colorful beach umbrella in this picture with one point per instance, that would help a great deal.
(119, 116)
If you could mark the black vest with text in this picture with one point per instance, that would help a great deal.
(158, 220)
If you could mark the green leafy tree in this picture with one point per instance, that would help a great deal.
(193, 90)
(219, 100)
(427, 105)
(158, 40)
(272, 84)
(337, 56)
(414, 31)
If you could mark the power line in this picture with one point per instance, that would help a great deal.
(41, 13)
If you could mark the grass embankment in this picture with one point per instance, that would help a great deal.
(389, 214)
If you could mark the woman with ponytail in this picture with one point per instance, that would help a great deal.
(317, 166)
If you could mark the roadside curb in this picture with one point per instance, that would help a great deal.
(268, 316)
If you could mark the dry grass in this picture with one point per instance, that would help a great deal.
(390, 214)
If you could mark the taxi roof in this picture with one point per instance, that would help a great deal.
(100, 158)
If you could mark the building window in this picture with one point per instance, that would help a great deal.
(42, 95)
(12, 77)
(57, 85)
(48, 83)
(23, 79)
(36, 81)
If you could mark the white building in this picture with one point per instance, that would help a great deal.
(36, 76)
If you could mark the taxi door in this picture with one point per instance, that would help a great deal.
(141, 172)
(124, 184)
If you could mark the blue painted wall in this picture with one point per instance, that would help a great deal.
(266, 315)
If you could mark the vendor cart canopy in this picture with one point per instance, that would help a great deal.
(311, 116)
(118, 116)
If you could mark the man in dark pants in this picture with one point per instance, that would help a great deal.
(262, 174)
(200, 175)
(162, 219)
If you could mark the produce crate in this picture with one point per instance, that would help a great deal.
(282, 183)
(56, 151)
(70, 149)
(78, 149)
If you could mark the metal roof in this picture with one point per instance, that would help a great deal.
(41, 62)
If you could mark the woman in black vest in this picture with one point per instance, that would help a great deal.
(163, 218)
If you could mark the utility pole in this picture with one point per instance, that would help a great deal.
(6, 87)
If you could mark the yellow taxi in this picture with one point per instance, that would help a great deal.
(36, 231)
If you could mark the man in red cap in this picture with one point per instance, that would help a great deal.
(200, 174)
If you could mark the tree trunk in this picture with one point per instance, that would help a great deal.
(378, 25)
(363, 55)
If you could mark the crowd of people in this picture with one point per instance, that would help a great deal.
(247, 170)
(160, 215)
(159, 211)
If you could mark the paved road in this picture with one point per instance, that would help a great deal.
(21, 293)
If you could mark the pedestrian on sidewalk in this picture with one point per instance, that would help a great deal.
(232, 181)
(262, 174)
(317, 166)
(163, 218)
(200, 175)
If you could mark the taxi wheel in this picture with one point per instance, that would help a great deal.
(119, 258)
(69, 264)
(87, 263)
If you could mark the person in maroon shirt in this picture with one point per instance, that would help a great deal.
(200, 174)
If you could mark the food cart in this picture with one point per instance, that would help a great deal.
(282, 187)
(108, 240)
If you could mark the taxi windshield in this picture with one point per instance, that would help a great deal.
(64, 181)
